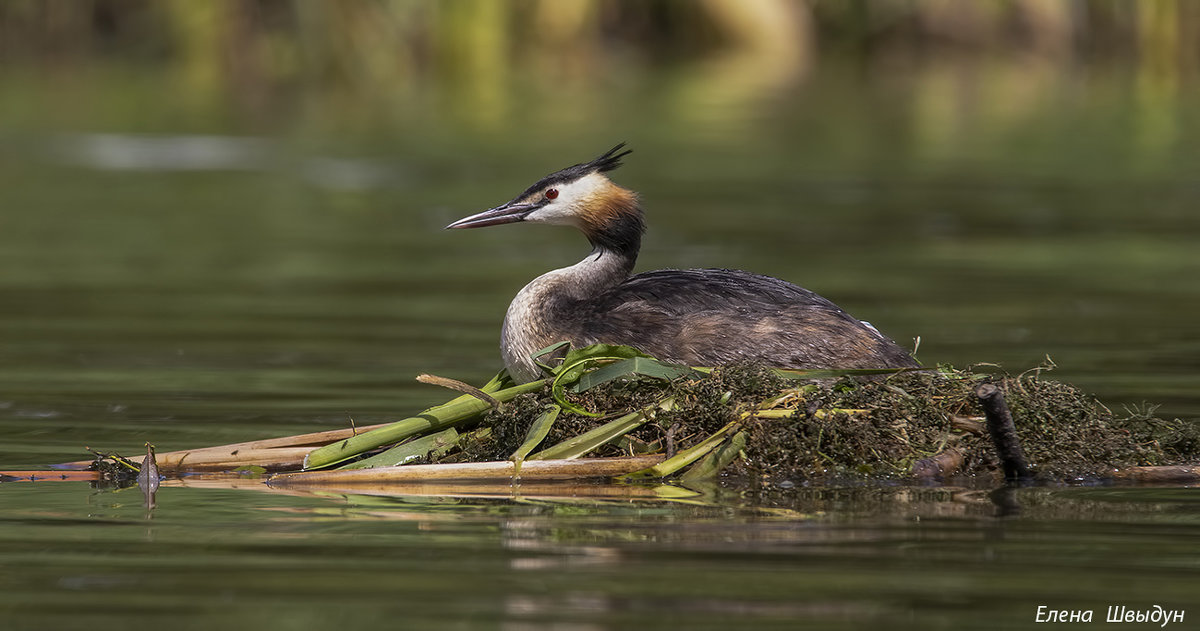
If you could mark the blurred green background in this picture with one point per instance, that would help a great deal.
(225, 216)
(221, 220)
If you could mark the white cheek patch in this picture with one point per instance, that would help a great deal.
(556, 213)
(566, 209)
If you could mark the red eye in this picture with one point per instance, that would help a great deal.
(551, 193)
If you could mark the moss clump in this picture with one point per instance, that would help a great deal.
(613, 399)
(704, 406)
(880, 428)
(701, 405)
(1067, 433)
(509, 423)
(875, 428)
(855, 427)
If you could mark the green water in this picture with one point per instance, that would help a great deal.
(188, 272)
(898, 558)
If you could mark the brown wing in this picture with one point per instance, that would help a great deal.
(712, 317)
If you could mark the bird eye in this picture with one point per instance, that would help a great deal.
(551, 193)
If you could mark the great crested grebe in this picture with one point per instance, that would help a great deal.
(697, 317)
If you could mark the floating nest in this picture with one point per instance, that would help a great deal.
(632, 417)
(923, 424)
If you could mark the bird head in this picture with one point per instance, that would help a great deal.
(581, 196)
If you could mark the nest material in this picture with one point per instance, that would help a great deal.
(865, 428)
(744, 420)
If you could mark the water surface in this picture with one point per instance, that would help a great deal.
(193, 277)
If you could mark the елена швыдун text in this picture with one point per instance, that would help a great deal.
(1115, 613)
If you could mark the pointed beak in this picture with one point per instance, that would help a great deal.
(508, 213)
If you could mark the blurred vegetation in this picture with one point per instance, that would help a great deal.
(945, 79)
(255, 45)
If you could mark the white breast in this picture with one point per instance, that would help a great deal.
(529, 326)
(523, 332)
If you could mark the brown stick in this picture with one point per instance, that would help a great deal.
(1004, 432)
(455, 384)
(969, 425)
(277, 459)
(940, 465)
(503, 470)
(528, 489)
(1159, 475)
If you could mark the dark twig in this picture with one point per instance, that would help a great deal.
(455, 384)
(148, 476)
(1004, 433)
(670, 439)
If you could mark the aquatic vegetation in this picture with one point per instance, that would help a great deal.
(608, 405)
(791, 428)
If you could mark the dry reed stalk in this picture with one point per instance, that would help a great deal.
(221, 453)
(501, 470)
(213, 459)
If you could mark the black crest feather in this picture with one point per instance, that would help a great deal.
(610, 160)
(607, 162)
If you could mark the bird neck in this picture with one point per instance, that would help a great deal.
(603, 269)
(540, 314)
(620, 237)
(614, 227)
(614, 222)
